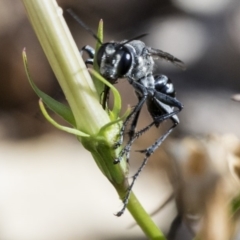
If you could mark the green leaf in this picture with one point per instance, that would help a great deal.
(98, 84)
(116, 96)
(55, 124)
(120, 119)
(57, 107)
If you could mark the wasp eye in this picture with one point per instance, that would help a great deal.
(125, 61)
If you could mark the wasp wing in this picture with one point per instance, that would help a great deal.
(166, 56)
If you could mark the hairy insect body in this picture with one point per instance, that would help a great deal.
(133, 60)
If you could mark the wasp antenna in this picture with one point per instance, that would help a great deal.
(134, 38)
(139, 37)
(75, 16)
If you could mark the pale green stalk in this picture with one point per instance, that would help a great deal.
(69, 68)
(72, 74)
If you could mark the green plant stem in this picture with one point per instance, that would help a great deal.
(67, 64)
(143, 219)
(71, 72)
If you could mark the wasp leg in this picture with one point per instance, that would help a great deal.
(150, 150)
(91, 53)
(135, 176)
(144, 94)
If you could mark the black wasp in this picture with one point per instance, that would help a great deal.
(133, 60)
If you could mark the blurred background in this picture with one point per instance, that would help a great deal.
(49, 183)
